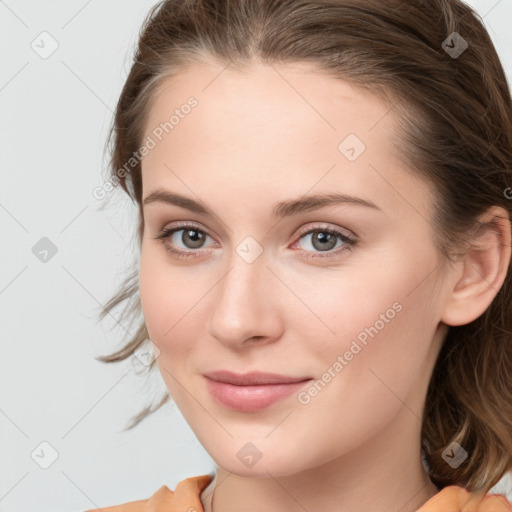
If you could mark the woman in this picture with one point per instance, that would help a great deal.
(324, 190)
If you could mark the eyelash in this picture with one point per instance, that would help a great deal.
(166, 233)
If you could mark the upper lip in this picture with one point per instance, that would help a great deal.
(252, 378)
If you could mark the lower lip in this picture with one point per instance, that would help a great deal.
(251, 398)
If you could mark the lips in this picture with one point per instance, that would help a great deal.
(253, 378)
(251, 392)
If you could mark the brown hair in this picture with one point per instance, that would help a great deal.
(454, 112)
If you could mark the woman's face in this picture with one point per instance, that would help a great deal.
(272, 282)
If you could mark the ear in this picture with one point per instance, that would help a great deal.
(482, 269)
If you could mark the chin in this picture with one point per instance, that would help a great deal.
(260, 457)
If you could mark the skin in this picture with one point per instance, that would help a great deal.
(257, 137)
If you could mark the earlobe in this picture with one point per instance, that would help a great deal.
(482, 269)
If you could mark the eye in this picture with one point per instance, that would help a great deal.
(322, 239)
(191, 236)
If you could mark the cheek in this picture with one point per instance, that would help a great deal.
(348, 305)
(167, 297)
(167, 301)
(382, 318)
(150, 289)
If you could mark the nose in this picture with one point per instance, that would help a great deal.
(244, 304)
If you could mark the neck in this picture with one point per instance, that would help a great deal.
(379, 476)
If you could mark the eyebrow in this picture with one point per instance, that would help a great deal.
(280, 210)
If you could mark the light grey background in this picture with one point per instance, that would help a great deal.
(55, 112)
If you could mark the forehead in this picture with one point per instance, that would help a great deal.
(283, 128)
(260, 94)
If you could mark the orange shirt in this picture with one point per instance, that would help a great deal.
(187, 498)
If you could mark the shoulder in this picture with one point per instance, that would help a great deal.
(456, 498)
(186, 496)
